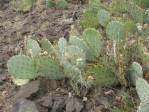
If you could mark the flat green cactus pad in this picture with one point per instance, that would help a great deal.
(62, 4)
(135, 72)
(92, 39)
(115, 31)
(46, 45)
(89, 20)
(75, 55)
(49, 68)
(142, 88)
(144, 106)
(76, 41)
(23, 5)
(50, 3)
(102, 76)
(21, 67)
(103, 17)
(33, 47)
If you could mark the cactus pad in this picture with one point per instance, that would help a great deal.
(46, 45)
(50, 3)
(21, 67)
(92, 39)
(73, 40)
(33, 46)
(135, 72)
(102, 76)
(62, 4)
(48, 68)
(142, 88)
(115, 31)
(103, 17)
(89, 20)
(144, 106)
(75, 56)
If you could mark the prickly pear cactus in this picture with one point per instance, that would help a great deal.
(22, 67)
(75, 55)
(48, 67)
(135, 72)
(23, 5)
(62, 4)
(142, 88)
(102, 76)
(46, 45)
(50, 3)
(115, 31)
(103, 17)
(92, 39)
(32, 47)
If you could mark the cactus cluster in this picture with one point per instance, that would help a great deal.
(47, 60)
(27, 67)
(22, 67)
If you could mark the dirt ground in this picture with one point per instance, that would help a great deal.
(47, 95)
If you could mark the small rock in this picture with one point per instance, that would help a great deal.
(46, 101)
(73, 105)
(27, 90)
(24, 105)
